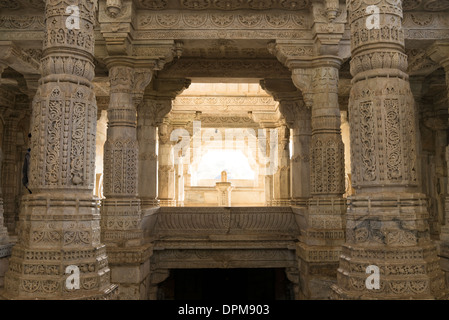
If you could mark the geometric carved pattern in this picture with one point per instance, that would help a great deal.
(120, 159)
(387, 220)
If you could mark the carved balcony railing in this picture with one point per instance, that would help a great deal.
(263, 223)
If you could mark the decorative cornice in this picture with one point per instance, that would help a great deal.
(225, 5)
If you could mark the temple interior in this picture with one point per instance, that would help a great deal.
(199, 149)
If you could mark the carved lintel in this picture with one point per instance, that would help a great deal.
(18, 59)
(167, 88)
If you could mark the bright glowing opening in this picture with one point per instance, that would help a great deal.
(234, 162)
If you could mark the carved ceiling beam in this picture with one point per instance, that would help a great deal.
(419, 63)
(16, 58)
(267, 119)
(168, 88)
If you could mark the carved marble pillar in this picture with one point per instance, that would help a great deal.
(157, 103)
(4, 238)
(297, 117)
(281, 177)
(59, 224)
(300, 163)
(149, 117)
(121, 207)
(387, 218)
(322, 224)
(122, 217)
(166, 172)
(10, 170)
(266, 169)
(439, 52)
(5, 245)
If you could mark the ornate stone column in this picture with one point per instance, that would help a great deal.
(122, 219)
(4, 238)
(439, 52)
(149, 117)
(5, 245)
(9, 165)
(281, 178)
(121, 209)
(166, 172)
(387, 219)
(297, 117)
(59, 224)
(323, 224)
(157, 103)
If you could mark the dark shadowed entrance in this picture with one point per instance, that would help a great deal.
(226, 284)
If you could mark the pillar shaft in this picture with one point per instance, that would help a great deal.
(10, 171)
(300, 164)
(322, 226)
(166, 171)
(149, 117)
(387, 222)
(147, 138)
(281, 178)
(59, 224)
(327, 151)
(121, 215)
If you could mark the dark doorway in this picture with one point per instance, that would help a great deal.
(226, 284)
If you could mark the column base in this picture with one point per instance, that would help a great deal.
(130, 268)
(405, 273)
(317, 270)
(390, 232)
(5, 253)
(120, 222)
(40, 274)
(58, 231)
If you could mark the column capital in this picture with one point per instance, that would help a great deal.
(153, 111)
(305, 76)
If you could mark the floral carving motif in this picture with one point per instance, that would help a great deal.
(436, 5)
(294, 4)
(153, 4)
(277, 20)
(196, 4)
(411, 4)
(222, 20)
(194, 20)
(167, 20)
(250, 20)
(367, 139)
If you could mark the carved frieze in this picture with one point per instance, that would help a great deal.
(228, 5)
(261, 68)
(222, 20)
